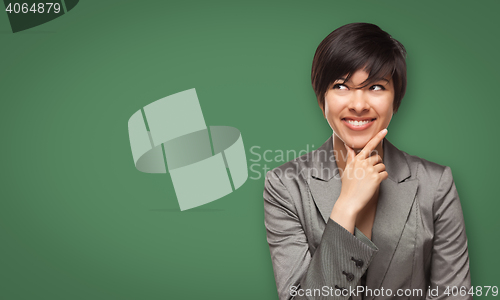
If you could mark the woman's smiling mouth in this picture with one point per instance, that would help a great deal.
(358, 124)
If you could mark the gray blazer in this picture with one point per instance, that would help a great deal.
(418, 236)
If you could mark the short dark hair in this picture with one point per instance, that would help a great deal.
(354, 46)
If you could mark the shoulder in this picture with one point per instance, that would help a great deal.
(424, 169)
(418, 168)
(319, 163)
(302, 167)
(291, 180)
(434, 179)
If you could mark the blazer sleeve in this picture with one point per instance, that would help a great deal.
(450, 257)
(337, 264)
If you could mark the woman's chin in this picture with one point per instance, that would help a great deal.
(357, 144)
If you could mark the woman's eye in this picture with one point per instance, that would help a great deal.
(340, 86)
(377, 87)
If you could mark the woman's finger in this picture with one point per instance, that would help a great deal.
(384, 175)
(375, 159)
(372, 144)
(379, 168)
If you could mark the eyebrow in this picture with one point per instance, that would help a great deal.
(381, 79)
(374, 80)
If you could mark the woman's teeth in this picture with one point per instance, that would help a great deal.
(358, 123)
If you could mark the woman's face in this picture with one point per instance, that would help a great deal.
(357, 114)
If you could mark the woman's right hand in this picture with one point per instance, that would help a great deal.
(361, 178)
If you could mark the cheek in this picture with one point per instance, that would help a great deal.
(332, 113)
(388, 116)
(333, 107)
(388, 120)
(384, 108)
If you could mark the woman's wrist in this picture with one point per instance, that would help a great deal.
(344, 214)
(347, 206)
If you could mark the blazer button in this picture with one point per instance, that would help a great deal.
(340, 288)
(359, 262)
(349, 276)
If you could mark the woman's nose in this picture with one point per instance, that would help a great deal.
(359, 101)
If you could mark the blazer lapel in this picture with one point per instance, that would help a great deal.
(323, 178)
(396, 196)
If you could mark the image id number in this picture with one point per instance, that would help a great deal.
(39, 8)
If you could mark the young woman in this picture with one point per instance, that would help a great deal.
(358, 218)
